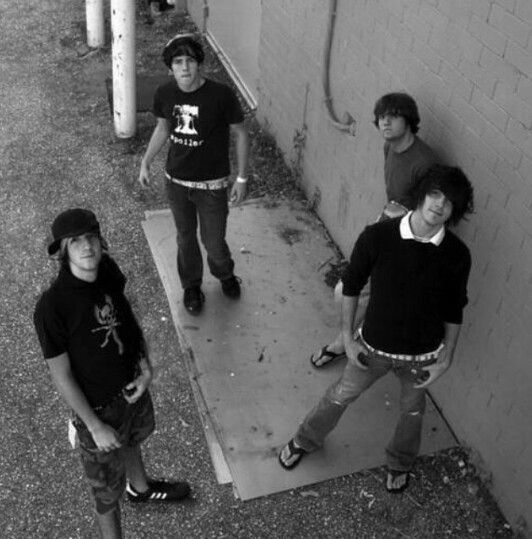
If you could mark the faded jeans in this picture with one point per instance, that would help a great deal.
(404, 445)
(210, 208)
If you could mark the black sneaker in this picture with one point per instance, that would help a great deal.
(231, 287)
(159, 491)
(193, 300)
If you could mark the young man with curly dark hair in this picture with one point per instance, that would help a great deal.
(419, 271)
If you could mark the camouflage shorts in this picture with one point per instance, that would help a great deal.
(106, 471)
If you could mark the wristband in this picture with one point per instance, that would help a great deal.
(239, 179)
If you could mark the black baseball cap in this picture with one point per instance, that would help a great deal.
(71, 223)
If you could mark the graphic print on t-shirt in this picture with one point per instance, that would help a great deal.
(185, 115)
(106, 316)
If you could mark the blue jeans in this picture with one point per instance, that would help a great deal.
(210, 208)
(404, 445)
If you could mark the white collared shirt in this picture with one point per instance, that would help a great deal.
(406, 232)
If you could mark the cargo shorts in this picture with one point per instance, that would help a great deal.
(105, 470)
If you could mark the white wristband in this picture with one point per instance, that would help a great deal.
(239, 179)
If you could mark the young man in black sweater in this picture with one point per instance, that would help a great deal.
(419, 272)
(406, 158)
(98, 361)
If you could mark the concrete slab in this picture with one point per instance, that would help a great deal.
(250, 358)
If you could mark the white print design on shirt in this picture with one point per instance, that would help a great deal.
(107, 318)
(185, 115)
(186, 141)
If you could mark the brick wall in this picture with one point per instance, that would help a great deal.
(468, 63)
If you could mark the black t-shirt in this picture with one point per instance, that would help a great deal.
(415, 287)
(93, 323)
(199, 137)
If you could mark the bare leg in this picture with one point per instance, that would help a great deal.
(135, 471)
(109, 524)
(337, 345)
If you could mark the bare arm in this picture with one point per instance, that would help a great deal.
(445, 357)
(104, 436)
(157, 141)
(238, 191)
(349, 311)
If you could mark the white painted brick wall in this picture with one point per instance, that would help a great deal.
(469, 66)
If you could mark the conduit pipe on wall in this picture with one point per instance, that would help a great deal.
(348, 124)
(205, 16)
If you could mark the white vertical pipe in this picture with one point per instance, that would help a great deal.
(124, 83)
(95, 23)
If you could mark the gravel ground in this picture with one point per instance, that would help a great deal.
(58, 150)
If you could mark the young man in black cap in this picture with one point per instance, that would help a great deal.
(406, 158)
(98, 361)
(419, 272)
(197, 115)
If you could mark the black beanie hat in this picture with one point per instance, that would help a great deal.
(178, 42)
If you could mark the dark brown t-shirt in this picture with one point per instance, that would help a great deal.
(402, 170)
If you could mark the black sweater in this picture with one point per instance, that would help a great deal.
(415, 287)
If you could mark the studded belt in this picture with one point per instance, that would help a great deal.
(209, 185)
(402, 357)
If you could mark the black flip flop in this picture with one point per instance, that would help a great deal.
(297, 451)
(394, 474)
(324, 353)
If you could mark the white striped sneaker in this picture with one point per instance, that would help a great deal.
(159, 491)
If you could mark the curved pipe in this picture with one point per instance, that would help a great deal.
(348, 126)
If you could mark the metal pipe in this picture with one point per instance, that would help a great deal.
(95, 23)
(123, 53)
(247, 94)
(348, 123)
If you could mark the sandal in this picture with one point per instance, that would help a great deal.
(394, 475)
(325, 354)
(297, 452)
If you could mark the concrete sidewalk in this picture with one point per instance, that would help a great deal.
(249, 359)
